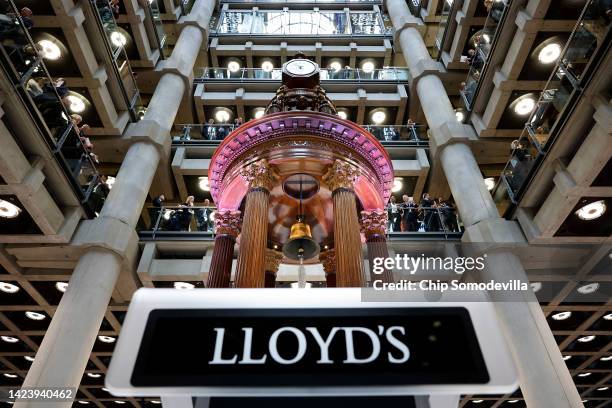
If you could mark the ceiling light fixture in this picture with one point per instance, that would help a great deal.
(83, 402)
(259, 112)
(562, 316)
(549, 54)
(536, 286)
(565, 358)
(608, 316)
(61, 286)
(9, 339)
(267, 66)
(183, 285)
(592, 210)
(35, 315)
(8, 209)
(398, 184)
(222, 115)
(233, 66)
(76, 104)
(588, 288)
(203, 183)
(9, 375)
(29, 358)
(603, 388)
(513, 401)
(342, 114)
(378, 117)
(8, 287)
(606, 358)
(107, 339)
(490, 183)
(586, 339)
(118, 39)
(460, 116)
(368, 67)
(335, 66)
(50, 50)
(524, 105)
(94, 375)
(584, 374)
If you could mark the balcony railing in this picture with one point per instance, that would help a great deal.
(47, 101)
(303, 23)
(387, 74)
(197, 222)
(213, 134)
(589, 41)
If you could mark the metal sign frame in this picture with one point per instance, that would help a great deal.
(502, 373)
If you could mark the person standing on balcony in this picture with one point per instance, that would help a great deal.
(409, 214)
(155, 212)
(426, 204)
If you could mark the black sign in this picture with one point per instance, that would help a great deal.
(309, 347)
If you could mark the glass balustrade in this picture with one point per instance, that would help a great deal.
(392, 74)
(301, 23)
(447, 8)
(197, 134)
(158, 24)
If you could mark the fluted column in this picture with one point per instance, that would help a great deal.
(227, 227)
(328, 259)
(250, 271)
(273, 261)
(374, 227)
(340, 178)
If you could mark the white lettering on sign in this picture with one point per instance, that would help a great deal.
(389, 334)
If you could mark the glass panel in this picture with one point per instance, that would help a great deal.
(446, 10)
(365, 23)
(157, 21)
(236, 22)
(524, 155)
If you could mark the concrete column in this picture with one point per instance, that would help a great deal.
(544, 377)
(374, 226)
(250, 270)
(340, 179)
(227, 227)
(66, 347)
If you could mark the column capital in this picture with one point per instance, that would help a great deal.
(273, 260)
(449, 133)
(227, 222)
(260, 175)
(328, 259)
(374, 223)
(341, 175)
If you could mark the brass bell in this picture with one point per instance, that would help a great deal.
(300, 244)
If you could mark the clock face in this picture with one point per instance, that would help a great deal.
(300, 67)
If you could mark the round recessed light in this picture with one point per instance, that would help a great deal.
(203, 183)
(9, 339)
(378, 117)
(490, 183)
(118, 39)
(8, 287)
(222, 116)
(28, 358)
(9, 375)
(267, 66)
(104, 389)
(477, 401)
(76, 104)
(460, 116)
(183, 285)
(606, 358)
(603, 388)
(565, 358)
(398, 184)
(592, 211)
(562, 315)
(155, 402)
(586, 339)
(119, 402)
(584, 374)
(94, 375)
(259, 112)
(549, 53)
(335, 66)
(342, 114)
(513, 401)
(588, 288)
(107, 339)
(536, 286)
(50, 50)
(8, 210)
(608, 316)
(83, 402)
(35, 315)
(524, 106)
(368, 67)
(233, 66)
(61, 286)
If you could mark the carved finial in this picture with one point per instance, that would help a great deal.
(341, 175)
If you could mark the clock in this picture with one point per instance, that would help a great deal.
(300, 73)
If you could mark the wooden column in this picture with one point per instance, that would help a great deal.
(374, 227)
(250, 271)
(227, 227)
(340, 178)
(273, 261)
(328, 259)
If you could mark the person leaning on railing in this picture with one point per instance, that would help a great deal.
(203, 217)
